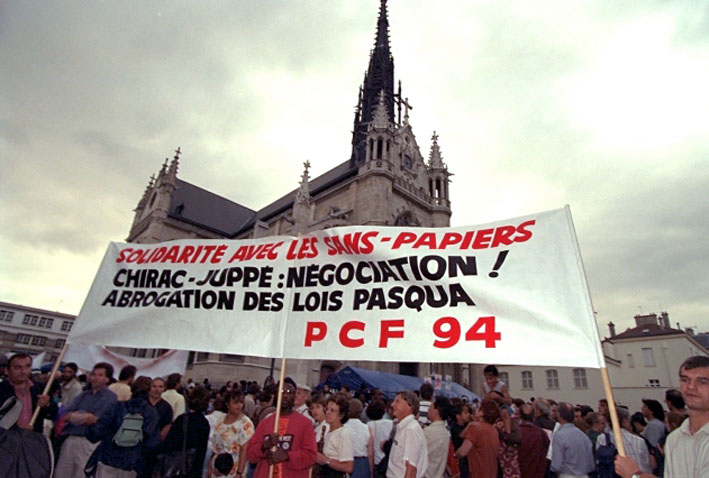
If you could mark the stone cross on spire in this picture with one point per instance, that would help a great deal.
(407, 107)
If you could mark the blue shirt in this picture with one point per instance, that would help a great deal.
(96, 403)
(572, 451)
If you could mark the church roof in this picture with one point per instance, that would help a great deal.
(207, 210)
(194, 205)
(336, 175)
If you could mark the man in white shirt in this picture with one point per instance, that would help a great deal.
(437, 437)
(122, 388)
(686, 448)
(302, 393)
(71, 388)
(173, 397)
(409, 456)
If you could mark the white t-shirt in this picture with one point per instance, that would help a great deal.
(176, 401)
(381, 429)
(338, 445)
(409, 445)
(360, 436)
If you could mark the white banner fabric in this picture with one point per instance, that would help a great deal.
(510, 292)
(86, 356)
(38, 361)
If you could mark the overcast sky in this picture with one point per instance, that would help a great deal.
(601, 105)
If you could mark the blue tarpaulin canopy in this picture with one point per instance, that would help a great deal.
(389, 383)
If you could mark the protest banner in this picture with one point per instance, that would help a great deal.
(38, 361)
(508, 292)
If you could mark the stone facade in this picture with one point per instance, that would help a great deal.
(386, 181)
(642, 362)
(33, 331)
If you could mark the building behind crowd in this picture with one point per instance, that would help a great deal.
(642, 362)
(386, 181)
(33, 331)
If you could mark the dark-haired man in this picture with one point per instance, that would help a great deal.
(675, 402)
(572, 452)
(122, 459)
(686, 448)
(122, 387)
(655, 416)
(291, 451)
(18, 384)
(157, 387)
(173, 397)
(437, 437)
(70, 386)
(426, 394)
(83, 412)
(534, 445)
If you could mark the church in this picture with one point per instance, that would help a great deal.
(385, 181)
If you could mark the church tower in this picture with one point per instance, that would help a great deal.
(385, 181)
(153, 208)
(397, 186)
(378, 78)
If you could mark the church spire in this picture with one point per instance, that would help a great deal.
(382, 41)
(379, 77)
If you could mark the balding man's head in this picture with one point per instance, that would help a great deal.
(566, 412)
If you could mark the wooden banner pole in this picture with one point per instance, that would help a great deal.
(281, 378)
(612, 411)
(50, 381)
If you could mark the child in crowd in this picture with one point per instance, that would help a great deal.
(493, 388)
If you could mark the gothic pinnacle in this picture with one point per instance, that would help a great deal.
(435, 159)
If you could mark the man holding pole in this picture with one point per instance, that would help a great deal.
(18, 384)
(686, 448)
(291, 451)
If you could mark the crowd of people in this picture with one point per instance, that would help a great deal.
(149, 427)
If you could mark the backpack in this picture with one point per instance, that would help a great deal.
(130, 433)
(605, 456)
